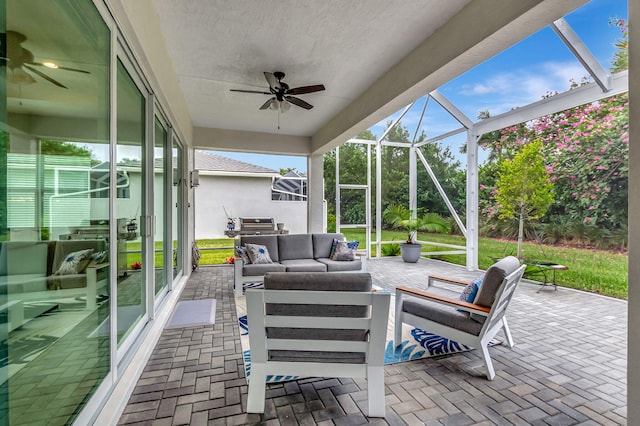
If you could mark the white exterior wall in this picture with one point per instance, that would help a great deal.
(242, 197)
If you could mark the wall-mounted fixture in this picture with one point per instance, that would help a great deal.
(194, 178)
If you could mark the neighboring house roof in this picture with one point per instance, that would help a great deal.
(205, 161)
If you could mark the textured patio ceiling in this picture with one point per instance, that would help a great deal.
(373, 56)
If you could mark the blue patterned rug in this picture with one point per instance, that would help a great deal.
(416, 343)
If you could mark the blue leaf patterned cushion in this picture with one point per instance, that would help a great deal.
(241, 251)
(258, 254)
(471, 290)
(75, 263)
(333, 247)
(353, 245)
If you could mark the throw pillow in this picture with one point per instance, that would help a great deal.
(353, 245)
(333, 247)
(100, 257)
(258, 254)
(343, 252)
(241, 252)
(471, 290)
(75, 263)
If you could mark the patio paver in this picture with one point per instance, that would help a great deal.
(568, 367)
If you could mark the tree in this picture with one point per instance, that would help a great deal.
(49, 147)
(524, 190)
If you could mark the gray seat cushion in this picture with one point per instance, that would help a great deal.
(270, 241)
(337, 265)
(295, 246)
(441, 314)
(261, 269)
(322, 244)
(303, 265)
(324, 282)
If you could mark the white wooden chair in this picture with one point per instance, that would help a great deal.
(439, 311)
(317, 325)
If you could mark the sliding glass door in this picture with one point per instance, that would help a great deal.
(131, 209)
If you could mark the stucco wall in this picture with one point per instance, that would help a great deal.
(242, 197)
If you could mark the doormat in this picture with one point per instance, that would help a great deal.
(192, 313)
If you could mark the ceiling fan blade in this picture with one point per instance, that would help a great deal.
(40, 64)
(273, 81)
(249, 91)
(299, 102)
(306, 89)
(267, 104)
(46, 77)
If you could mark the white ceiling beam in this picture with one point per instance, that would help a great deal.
(562, 28)
(478, 32)
(619, 83)
(254, 142)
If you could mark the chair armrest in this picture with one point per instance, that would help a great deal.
(446, 280)
(466, 306)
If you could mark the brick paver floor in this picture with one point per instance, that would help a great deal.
(568, 368)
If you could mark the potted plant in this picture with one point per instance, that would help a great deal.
(401, 217)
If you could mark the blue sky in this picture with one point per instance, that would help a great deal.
(515, 77)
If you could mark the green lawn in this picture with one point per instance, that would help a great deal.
(590, 270)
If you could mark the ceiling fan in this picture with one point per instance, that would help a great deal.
(20, 60)
(281, 92)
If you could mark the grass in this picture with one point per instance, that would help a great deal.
(596, 271)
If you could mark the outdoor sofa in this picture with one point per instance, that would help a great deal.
(291, 253)
(31, 275)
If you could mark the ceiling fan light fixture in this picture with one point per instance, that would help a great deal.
(19, 76)
(274, 104)
(50, 65)
(285, 106)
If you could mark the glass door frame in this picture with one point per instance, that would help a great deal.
(122, 54)
(167, 213)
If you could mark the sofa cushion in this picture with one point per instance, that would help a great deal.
(252, 270)
(442, 314)
(338, 265)
(23, 258)
(304, 265)
(295, 246)
(493, 278)
(322, 244)
(270, 241)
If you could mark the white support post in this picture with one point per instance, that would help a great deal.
(472, 200)
(413, 180)
(315, 193)
(378, 197)
(338, 189)
(368, 197)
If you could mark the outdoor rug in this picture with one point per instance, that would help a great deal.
(416, 343)
(191, 313)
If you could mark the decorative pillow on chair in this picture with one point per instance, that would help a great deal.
(75, 263)
(100, 257)
(241, 251)
(471, 290)
(343, 252)
(258, 254)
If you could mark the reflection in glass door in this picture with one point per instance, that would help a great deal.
(131, 300)
(160, 190)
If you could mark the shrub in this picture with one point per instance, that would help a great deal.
(390, 249)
